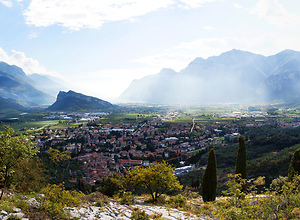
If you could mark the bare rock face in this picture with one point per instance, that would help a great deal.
(72, 101)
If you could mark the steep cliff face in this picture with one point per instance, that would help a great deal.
(72, 101)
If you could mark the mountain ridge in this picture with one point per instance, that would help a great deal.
(233, 76)
(16, 85)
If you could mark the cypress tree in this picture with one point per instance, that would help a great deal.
(241, 159)
(209, 179)
(294, 167)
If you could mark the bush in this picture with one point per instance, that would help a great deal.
(189, 194)
(112, 184)
(127, 198)
(137, 214)
(278, 183)
(97, 199)
(177, 201)
(56, 199)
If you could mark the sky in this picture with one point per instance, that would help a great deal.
(100, 46)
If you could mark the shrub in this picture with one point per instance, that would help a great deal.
(96, 198)
(137, 214)
(112, 184)
(177, 201)
(278, 183)
(56, 199)
(189, 194)
(127, 198)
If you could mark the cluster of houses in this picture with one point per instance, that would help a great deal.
(115, 147)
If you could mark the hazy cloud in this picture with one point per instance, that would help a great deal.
(276, 14)
(210, 28)
(78, 14)
(265, 44)
(194, 3)
(28, 65)
(236, 5)
(176, 61)
(33, 35)
(90, 82)
(7, 3)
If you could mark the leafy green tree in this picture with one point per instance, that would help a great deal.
(13, 150)
(241, 159)
(112, 183)
(29, 175)
(294, 167)
(155, 179)
(209, 179)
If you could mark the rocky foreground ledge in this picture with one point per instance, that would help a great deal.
(112, 210)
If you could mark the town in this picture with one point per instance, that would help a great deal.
(104, 147)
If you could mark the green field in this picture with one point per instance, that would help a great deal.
(21, 127)
(117, 118)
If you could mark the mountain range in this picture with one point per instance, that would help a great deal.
(19, 91)
(17, 86)
(233, 76)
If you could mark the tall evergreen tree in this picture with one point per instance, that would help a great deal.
(209, 179)
(294, 167)
(241, 159)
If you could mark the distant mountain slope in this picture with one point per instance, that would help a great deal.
(48, 84)
(234, 76)
(15, 84)
(72, 101)
(9, 105)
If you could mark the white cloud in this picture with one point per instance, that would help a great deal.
(33, 35)
(194, 3)
(7, 3)
(209, 28)
(78, 14)
(236, 5)
(28, 65)
(276, 14)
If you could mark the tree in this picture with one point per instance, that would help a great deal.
(29, 175)
(241, 159)
(155, 179)
(13, 150)
(60, 164)
(209, 179)
(112, 183)
(294, 167)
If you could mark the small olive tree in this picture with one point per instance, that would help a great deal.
(13, 150)
(155, 179)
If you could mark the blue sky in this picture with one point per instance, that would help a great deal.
(100, 46)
